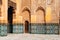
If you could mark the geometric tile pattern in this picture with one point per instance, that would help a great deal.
(33, 29)
(3, 29)
(18, 28)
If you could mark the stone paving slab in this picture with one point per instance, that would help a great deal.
(30, 37)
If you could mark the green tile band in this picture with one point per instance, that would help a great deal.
(38, 28)
(52, 28)
(3, 30)
(35, 28)
(49, 28)
(18, 28)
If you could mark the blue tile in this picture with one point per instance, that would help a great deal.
(38, 28)
(52, 29)
(18, 28)
(3, 30)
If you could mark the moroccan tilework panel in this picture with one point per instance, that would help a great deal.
(29, 28)
(45, 28)
(33, 28)
(3, 29)
(18, 28)
(52, 31)
(59, 29)
(38, 28)
(52, 28)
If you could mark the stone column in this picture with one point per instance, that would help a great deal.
(4, 9)
(3, 26)
(18, 11)
(48, 11)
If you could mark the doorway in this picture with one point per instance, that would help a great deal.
(26, 26)
(10, 19)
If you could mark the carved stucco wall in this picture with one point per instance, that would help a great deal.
(55, 11)
(4, 7)
(13, 4)
(51, 10)
(34, 6)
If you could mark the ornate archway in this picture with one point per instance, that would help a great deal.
(40, 11)
(39, 26)
(26, 18)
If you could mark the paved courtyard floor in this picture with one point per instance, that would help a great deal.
(26, 36)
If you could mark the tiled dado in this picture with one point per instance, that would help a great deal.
(49, 28)
(52, 28)
(3, 29)
(18, 28)
(34, 28)
(37, 28)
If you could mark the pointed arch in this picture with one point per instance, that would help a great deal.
(40, 8)
(26, 9)
(43, 10)
(26, 17)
